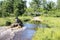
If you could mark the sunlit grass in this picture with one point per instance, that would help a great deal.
(52, 33)
(47, 34)
(51, 21)
(12, 19)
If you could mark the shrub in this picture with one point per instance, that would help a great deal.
(52, 13)
(8, 23)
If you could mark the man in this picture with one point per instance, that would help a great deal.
(17, 20)
(18, 23)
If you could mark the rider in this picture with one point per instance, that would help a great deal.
(17, 20)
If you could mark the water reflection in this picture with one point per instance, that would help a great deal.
(29, 26)
(27, 34)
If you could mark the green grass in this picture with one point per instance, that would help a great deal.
(41, 34)
(3, 20)
(47, 34)
(52, 33)
(11, 19)
(51, 21)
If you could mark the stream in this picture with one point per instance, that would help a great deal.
(26, 34)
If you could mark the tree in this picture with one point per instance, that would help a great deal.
(19, 7)
(1, 8)
(58, 4)
(7, 8)
(36, 4)
(44, 4)
(13, 7)
(49, 6)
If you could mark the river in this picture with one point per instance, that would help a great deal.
(26, 34)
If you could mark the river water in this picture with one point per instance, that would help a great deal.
(26, 34)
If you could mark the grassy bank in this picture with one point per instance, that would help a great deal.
(47, 34)
(11, 19)
(51, 21)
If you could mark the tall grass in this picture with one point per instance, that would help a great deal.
(51, 21)
(47, 34)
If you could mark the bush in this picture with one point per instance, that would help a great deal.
(52, 13)
(8, 23)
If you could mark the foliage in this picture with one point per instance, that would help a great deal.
(36, 6)
(8, 7)
(52, 13)
(29, 12)
(43, 7)
(49, 6)
(19, 7)
(58, 4)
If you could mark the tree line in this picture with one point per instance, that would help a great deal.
(36, 8)
(12, 7)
